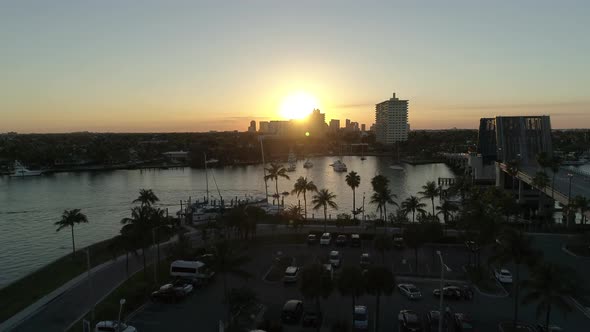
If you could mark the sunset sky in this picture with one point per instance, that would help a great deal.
(147, 66)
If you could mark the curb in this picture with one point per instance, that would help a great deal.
(579, 306)
(567, 251)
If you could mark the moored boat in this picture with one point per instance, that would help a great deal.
(21, 171)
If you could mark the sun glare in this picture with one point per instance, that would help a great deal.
(298, 105)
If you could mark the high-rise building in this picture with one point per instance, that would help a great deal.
(363, 127)
(263, 127)
(316, 122)
(391, 121)
(252, 128)
(347, 126)
(520, 138)
(334, 125)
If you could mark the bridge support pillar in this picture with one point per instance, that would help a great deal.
(499, 176)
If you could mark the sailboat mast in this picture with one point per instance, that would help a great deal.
(206, 179)
(264, 169)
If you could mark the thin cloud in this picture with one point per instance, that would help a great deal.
(516, 106)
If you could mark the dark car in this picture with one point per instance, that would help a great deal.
(409, 321)
(462, 323)
(292, 311)
(168, 293)
(355, 240)
(449, 292)
(341, 240)
(432, 319)
(311, 318)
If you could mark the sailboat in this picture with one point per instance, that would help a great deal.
(292, 161)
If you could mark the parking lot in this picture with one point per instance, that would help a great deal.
(203, 310)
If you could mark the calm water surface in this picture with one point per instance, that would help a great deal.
(30, 206)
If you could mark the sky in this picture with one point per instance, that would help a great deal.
(161, 66)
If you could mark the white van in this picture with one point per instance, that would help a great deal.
(195, 271)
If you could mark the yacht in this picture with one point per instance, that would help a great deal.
(22, 171)
(308, 164)
(339, 166)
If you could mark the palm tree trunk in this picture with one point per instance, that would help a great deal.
(384, 217)
(416, 258)
(144, 264)
(432, 200)
(73, 243)
(413, 216)
(305, 204)
(516, 293)
(277, 187)
(377, 312)
(126, 263)
(325, 218)
(353, 204)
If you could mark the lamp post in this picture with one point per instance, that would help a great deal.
(121, 303)
(443, 267)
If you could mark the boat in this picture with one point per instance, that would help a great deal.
(339, 166)
(21, 171)
(308, 164)
(292, 162)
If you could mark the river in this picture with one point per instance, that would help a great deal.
(30, 206)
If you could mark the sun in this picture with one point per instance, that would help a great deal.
(298, 105)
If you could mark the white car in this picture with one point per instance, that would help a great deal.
(410, 291)
(503, 276)
(325, 239)
(361, 317)
(113, 326)
(335, 259)
(291, 274)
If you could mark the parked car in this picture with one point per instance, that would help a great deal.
(113, 326)
(365, 260)
(361, 317)
(503, 276)
(410, 291)
(409, 321)
(326, 239)
(312, 239)
(335, 259)
(292, 311)
(432, 319)
(311, 318)
(449, 292)
(183, 286)
(341, 240)
(170, 293)
(462, 323)
(291, 274)
(552, 328)
(329, 270)
(355, 240)
(398, 242)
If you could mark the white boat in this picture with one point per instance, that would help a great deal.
(339, 166)
(308, 164)
(22, 171)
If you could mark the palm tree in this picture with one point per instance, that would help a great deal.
(351, 283)
(315, 284)
(379, 183)
(68, 219)
(447, 208)
(302, 186)
(414, 205)
(379, 281)
(381, 199)
(516, 247)
(138, 226)
(276, 171)
(146, 197)
(353, 180)
(550, 287)
(582, 204)
(323, 199)
(229, 260)
(430, 191)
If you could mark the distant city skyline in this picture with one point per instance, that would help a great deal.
(113, 66)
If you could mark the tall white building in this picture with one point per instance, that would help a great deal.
(391, 121)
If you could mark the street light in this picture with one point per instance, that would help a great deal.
(443, 267)
(121, 303)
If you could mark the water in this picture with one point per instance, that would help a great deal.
(30, 206)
